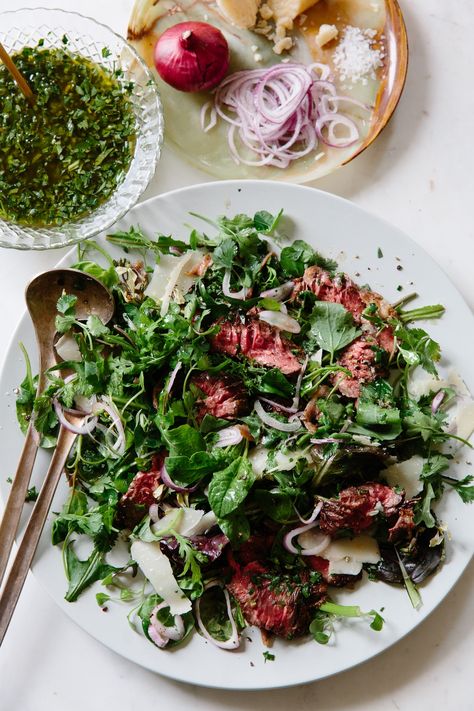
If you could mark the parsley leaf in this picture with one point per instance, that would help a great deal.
(300, 255)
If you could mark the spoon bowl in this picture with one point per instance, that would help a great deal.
(42, 294)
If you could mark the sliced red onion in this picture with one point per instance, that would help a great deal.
(106, 404)
(273, 422)
(242, 294)
(310, 544)
(296, 399)
(330, 121)
(278, 406)
(86, 428)
(437, 400)
(313, 516)
(324, 440)
(156, 637)
(281, 321)
(167, 481)
(163, 632)
(173, 375)
(274, 112)
(279, 293)
(313, 542)
(229, 436)
(274, 248)
(288, 537)
(233, 642)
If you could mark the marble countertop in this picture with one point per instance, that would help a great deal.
(418, 176)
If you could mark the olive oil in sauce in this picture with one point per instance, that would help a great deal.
(65, 155)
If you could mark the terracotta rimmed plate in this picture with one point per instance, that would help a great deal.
(210, 151)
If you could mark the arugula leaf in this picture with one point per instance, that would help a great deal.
(275, 383)
(108, 277)
(230, 487)
(299, 256)
(332, 326)
(82, 573)
(25, 399)
(423, 510)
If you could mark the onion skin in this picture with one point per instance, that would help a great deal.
(192, 56)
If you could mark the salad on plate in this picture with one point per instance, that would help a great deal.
(261, 431)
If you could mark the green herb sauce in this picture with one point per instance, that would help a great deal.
(61, 158)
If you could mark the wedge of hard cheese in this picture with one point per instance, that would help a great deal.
(242, 13)
(284, 10)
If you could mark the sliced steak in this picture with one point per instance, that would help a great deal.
(357, 507)
(340, 289)
(139, 496)
(257, 341)
(359, 358)
(276, 603)
(223, 396)
(404, 526)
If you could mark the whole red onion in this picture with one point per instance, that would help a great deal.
(192, 56)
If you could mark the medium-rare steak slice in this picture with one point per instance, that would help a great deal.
(139, 496)
(257, 341)
(224, 396)
(278, 603)
(357, 507)
(340, 289)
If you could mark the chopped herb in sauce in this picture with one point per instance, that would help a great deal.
(61, 158)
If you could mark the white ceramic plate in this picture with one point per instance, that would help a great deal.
(341, 230)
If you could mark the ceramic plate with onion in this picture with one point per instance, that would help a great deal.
(355, 239)
(354, 50)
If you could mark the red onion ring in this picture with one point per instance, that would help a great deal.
(242, 294)
(233, 642)
(279, 293)
(280, 113)
(315, 549)
(313, 516)
(273, 422)
(173, 375)
(166, 633)
(437, 400)
(167, 481)
(85, 429)
(229, 436)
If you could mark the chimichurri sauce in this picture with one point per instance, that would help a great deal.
(61, 158)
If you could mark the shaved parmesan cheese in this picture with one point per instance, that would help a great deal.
(284, 10)
(186, 521)
(171, 278)
(67, 348)
(464, 419)
(325, 34)
(156, 567)
(346, 556)
(280, 462)
(406, 474)
(242, 13)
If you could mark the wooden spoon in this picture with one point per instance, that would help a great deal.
(20, 80)
(42, 295)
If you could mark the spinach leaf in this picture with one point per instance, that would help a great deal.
(230, 487)
(236, 527)
(184, 441)
(332, 326)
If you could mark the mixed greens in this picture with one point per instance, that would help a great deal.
(253, 434)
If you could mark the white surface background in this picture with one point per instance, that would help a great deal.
(418, 176)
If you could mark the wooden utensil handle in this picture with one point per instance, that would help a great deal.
(26, 549)
(17, 76)
(19, 487)
(16, 498)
